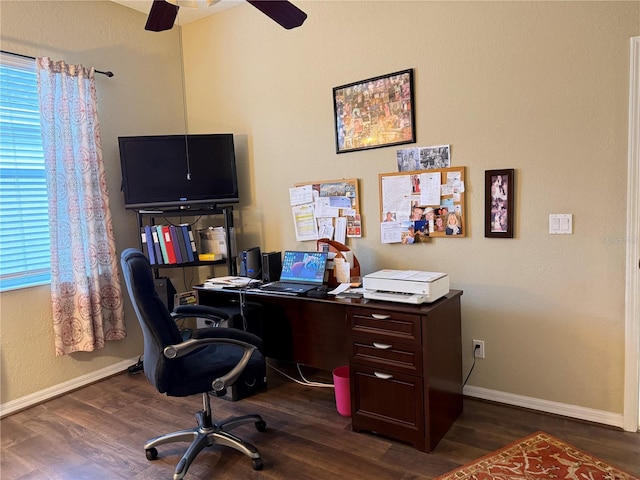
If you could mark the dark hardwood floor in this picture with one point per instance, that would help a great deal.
(98, 432)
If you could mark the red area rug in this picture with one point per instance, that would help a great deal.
(538, 456)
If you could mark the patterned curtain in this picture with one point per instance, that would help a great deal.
(85, 284)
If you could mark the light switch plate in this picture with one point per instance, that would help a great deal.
(561, 223)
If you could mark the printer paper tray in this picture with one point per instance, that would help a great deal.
(396, 297)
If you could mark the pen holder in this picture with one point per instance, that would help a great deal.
(341, 251)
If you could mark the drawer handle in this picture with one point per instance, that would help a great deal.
(384, 376)
(378, 316)
(381, 346)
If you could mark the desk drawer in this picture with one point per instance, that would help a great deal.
(388, 354)
(388, 403)
(385, 324)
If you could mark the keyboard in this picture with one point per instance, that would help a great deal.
(286, 287)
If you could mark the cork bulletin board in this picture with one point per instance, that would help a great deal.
(419, 205)
(327, 209)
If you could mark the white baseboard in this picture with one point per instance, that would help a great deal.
(557, 408)
(27, 401)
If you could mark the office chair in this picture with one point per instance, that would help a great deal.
(210, 361)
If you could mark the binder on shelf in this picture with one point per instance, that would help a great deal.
(166, 238)
(185, 228)
(148, 241)
(163, 245)
(145, 245)
(181, 244)
(192, 240)
(156, 244)
(174, 242)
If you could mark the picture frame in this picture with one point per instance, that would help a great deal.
(499, 203)
(374, 113)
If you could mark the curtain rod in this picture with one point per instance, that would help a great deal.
(108, 74)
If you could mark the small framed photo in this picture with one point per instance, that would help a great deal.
(374, 113)
(499, 203)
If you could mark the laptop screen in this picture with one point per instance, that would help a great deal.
(303, 267)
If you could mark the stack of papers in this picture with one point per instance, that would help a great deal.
(230, 281)
(345, 290)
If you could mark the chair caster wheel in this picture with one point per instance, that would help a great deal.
(151, 453)
(261, 426)
(256, 463)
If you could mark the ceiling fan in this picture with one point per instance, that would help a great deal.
(163, 14)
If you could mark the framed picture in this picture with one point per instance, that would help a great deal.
(499, 199)
(375, 113)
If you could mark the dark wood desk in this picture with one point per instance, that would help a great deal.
(405, 361)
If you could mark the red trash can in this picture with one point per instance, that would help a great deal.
(342, 390)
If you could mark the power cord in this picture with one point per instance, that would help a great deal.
(136, 368)
(310, 383)
(243, 298)
(473, 352)
(304, 381)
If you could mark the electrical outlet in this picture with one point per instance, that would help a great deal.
(478, 348)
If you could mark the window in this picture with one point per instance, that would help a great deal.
(24, 218)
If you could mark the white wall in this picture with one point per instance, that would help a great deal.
(541, 87)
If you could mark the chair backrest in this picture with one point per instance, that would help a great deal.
(158, 327)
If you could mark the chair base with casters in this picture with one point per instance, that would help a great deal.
(207, 434)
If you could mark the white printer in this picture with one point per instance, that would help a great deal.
(406, 286)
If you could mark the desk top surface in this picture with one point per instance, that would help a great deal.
(331, 299)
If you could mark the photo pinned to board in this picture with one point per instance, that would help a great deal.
(423, 158)
(414, 232)
(423, 222)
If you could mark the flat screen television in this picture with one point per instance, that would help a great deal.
(164, 172)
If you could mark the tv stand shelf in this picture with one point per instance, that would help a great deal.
(148, 217)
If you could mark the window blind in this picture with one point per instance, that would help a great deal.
(24, 219)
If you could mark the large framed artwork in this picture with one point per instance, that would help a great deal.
(499, 202)
(375, 113)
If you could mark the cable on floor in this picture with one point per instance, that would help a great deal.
(304, 381)
(308, 382)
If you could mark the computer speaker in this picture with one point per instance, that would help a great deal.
(250, 264)
(271, 266)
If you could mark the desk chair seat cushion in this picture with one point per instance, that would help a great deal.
(195, 372)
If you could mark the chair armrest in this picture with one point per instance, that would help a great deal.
(232, 333)
(188, 346)
(201, 311)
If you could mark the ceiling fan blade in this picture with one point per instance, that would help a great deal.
(161, 16)
(282, 12)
